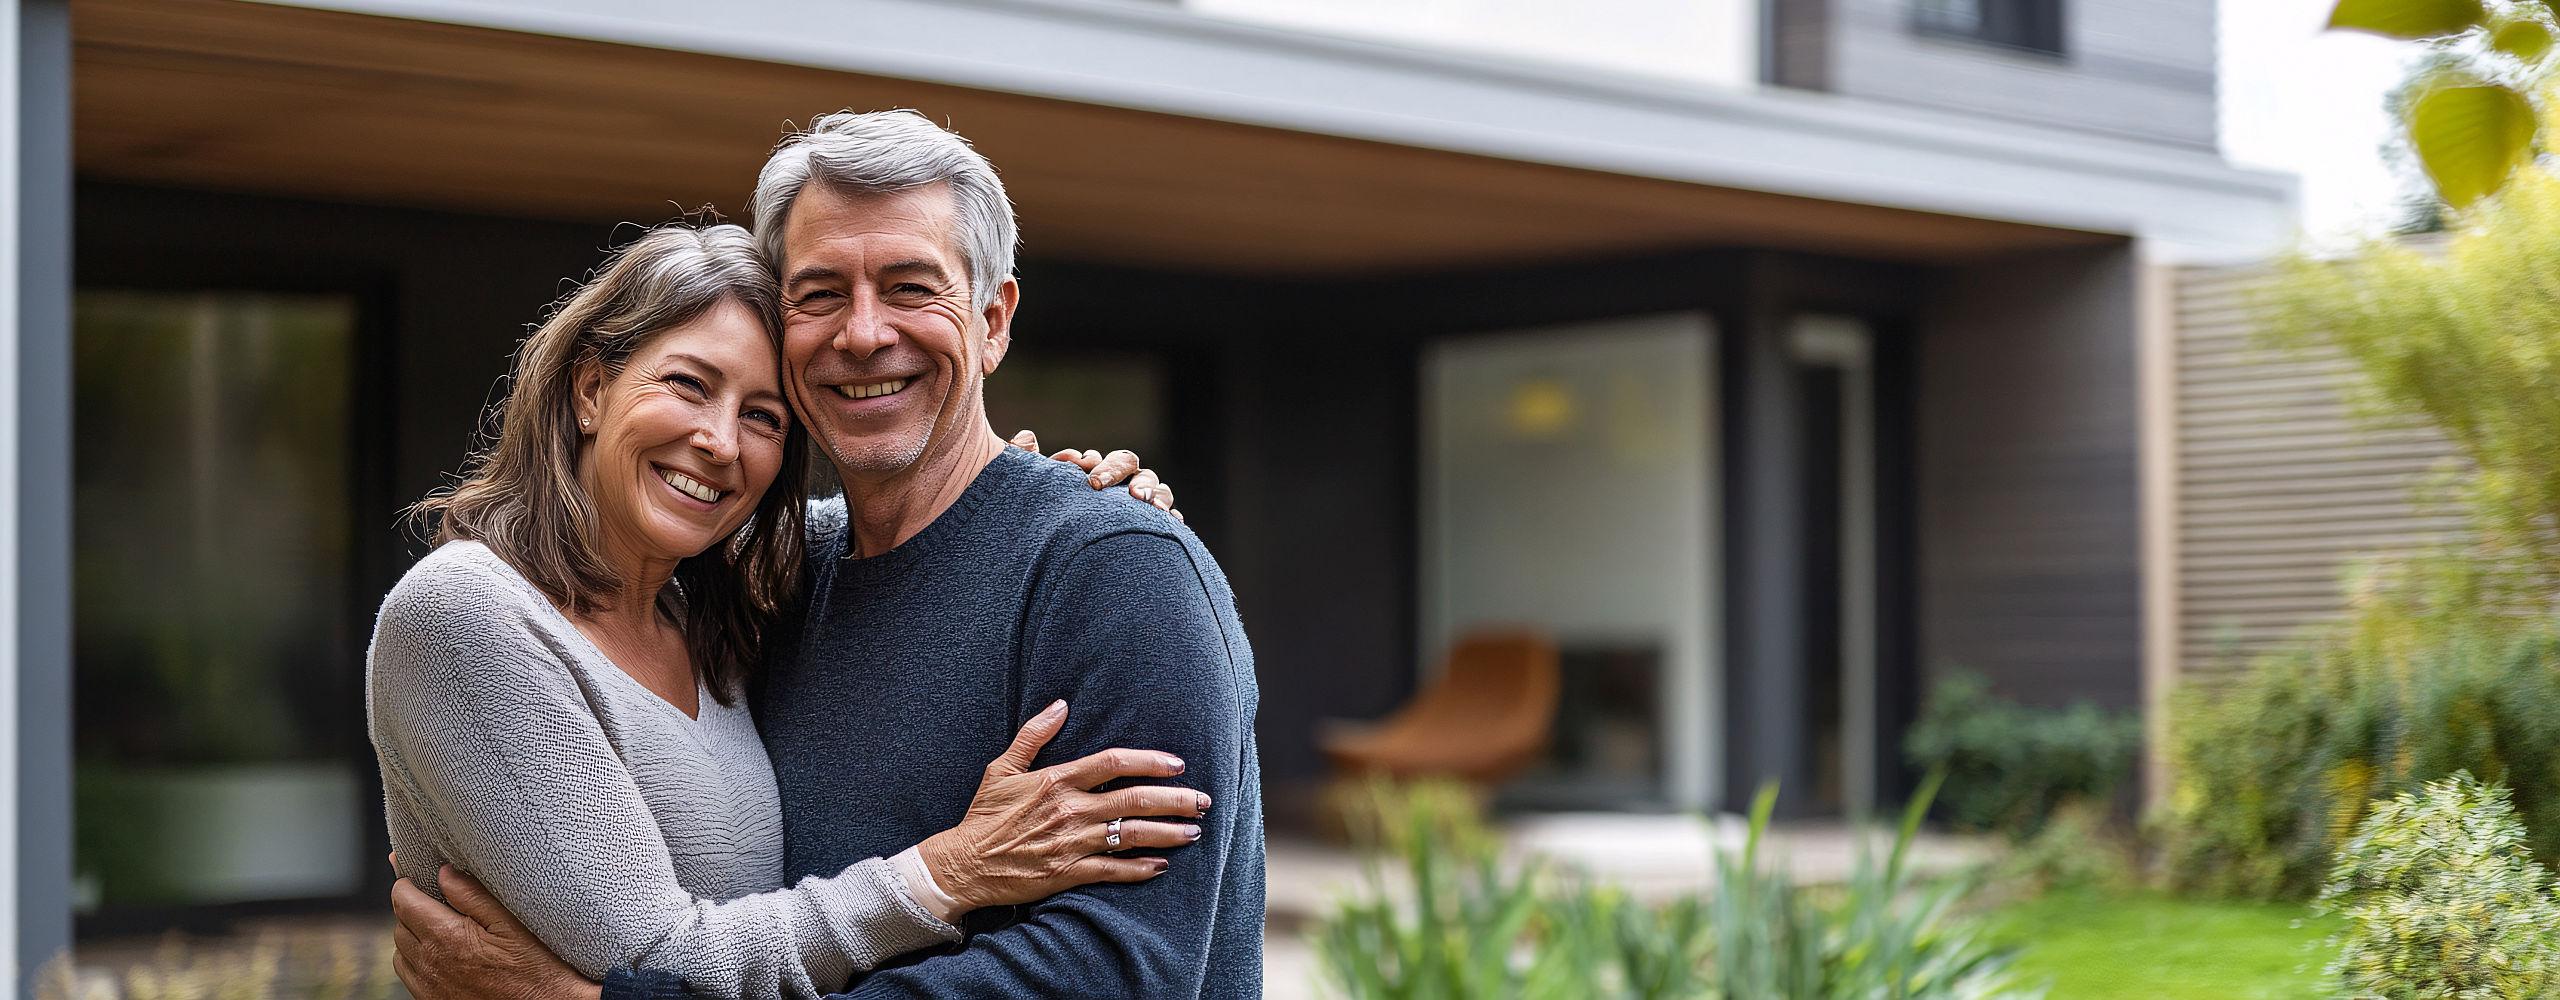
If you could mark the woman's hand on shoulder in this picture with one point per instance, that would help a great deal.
(1032, 834)
(1105, 471)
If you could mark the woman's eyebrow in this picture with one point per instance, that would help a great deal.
(716, 370)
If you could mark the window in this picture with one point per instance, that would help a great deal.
(219, 633)
(1621, 580)
(2026, 24)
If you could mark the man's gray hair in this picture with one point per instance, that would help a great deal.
(879, 152)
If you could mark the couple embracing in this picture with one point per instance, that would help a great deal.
(653, 723)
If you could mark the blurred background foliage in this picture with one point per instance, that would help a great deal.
(2010, 767)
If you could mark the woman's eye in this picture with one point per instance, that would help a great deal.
(770, 418)
(686, 381)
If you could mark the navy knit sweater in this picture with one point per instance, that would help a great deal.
(912, 669)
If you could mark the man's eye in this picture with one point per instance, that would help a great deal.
(910, 288)
(807, 298)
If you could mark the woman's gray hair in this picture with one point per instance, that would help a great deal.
(880, 152)
(521, 495)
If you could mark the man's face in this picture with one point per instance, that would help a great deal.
(881, 352)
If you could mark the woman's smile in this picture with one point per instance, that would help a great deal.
(691, 488)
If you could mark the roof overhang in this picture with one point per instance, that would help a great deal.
(1127, 131)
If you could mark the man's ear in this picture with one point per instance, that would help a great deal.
(586, 389)
(999, 317)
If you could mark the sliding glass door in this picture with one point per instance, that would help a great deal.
(1567, 488)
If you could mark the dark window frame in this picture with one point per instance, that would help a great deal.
(2031, 26)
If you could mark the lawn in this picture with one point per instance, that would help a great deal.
(2101, 946)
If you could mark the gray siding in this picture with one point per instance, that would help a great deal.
(2137, 69)
(2029, 530)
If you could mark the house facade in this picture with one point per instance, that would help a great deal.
(1768, 356)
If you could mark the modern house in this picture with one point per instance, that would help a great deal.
(1769, 355)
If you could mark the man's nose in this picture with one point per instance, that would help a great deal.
(866, 328)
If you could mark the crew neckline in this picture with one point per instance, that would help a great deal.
(954, 521)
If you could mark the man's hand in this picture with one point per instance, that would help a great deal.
(473, 949)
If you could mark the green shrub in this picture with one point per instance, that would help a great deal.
(2442, 900)
(1458, 924)
(2274, 769)
(2078, 848)
(2009, 766)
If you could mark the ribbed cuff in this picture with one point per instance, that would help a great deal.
(871, 914)
(644, 984)
(924, 890)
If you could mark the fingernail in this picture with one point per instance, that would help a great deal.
(1173, 762)
(1095, 480)
(1054, 708)
(1192, 831)
(1163, 863)
(1204, 802)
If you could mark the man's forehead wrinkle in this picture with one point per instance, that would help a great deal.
(913, 223)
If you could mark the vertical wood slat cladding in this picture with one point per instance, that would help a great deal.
(2282, 488)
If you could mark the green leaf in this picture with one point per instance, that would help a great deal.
(2409, 19)
(2524, 40)
(2471, 139)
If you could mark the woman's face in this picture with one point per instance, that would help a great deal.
(681, 445)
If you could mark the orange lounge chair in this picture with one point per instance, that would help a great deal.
(1488, 716)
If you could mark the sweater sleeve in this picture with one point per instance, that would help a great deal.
(490, 745)
(1129, 635)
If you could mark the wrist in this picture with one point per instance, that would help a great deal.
(933, 879)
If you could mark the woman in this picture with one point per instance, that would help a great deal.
(556, 691)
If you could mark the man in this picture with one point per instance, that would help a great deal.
(961, 585)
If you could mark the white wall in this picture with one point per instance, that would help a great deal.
(1702, 41)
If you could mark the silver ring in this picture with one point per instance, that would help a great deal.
(1111, 836)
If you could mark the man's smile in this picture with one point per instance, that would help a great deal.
(873, 390)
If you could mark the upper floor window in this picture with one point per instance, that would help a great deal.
(2025, 24)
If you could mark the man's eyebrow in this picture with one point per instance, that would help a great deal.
(813, 272)
(916, 265)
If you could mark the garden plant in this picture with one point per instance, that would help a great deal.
(1446, 917)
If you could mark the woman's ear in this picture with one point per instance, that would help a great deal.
(586, 388)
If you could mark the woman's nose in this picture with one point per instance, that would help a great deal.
(717, 440)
